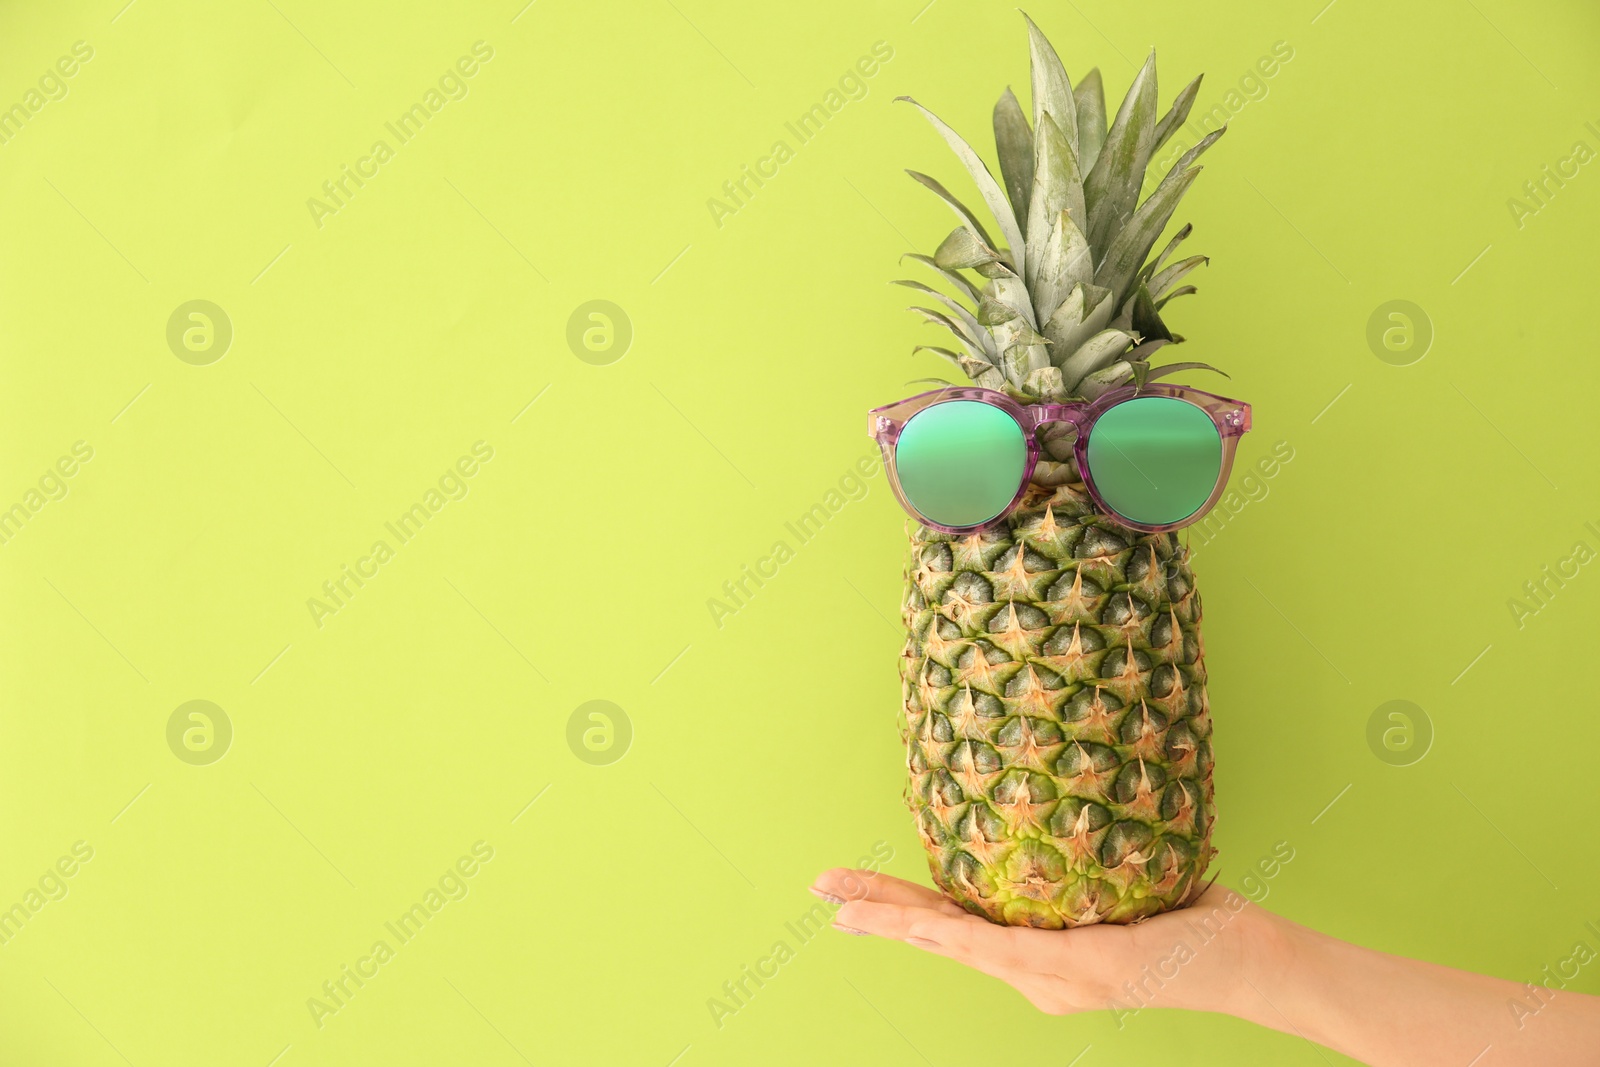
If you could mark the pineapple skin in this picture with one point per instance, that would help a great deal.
(1056, 723)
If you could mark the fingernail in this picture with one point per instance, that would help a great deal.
(829, 897)
(849, 930)
(922, 942)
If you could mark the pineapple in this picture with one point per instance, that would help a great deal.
(1056, 723)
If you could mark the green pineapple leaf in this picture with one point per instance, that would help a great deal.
(1112, 187)
(1090, 100)
(1141, 353)
(1045, 384)
(1177, 239)
(1052, 89)
(991, 312)
(957, 280)
(976, 369)
(1173, 119)
(1184, 290)
(1093, 355)
(1057, 188)
(1067, 317)
(1168, 369)
(1085, 312)
(963, 249)
(1146, 320)
(975, 332)
(1007, 328)
(992, 194)
(1164, 280)
(1021, 360)
(944, 353)
(1064, 265)
(977, 349)
(1013, 141)
(1009, 290)
(1022, 349)
(1104, 380)
(1133, 243)
(957, 206)
(1119, 269)
(1186, 160)
(1074, 288)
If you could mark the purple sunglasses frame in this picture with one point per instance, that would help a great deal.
(1231, 418)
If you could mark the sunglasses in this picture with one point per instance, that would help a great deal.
(1154, 457)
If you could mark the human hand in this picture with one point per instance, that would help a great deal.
(1207, 956)
(1225, 954)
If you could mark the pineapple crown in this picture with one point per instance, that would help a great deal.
(1070, 306)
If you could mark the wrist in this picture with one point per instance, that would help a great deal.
(1262, 951)
(1286, 975)
(1273, 952)
(1214, 956)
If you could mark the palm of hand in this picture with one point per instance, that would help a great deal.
(1059, 971)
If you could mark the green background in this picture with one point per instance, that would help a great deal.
(368, 353)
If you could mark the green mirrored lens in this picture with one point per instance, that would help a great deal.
(1155, 459)
(960, 462)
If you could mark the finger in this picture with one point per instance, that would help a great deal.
(970, 939)
(978, 963)
(1046, 992)
(844, 883)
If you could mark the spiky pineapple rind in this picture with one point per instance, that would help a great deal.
(1056, 724)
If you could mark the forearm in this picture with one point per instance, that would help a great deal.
(1386, 1010)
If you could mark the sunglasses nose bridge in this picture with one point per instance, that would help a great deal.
(1072, 414)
